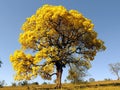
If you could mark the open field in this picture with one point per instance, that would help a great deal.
(103, 88)
(100, 85)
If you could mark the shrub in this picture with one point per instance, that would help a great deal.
(2, 83)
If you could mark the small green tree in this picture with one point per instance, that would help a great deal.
(14, 84)
(91, 80)
(2, 83)
(65, 80)
(44, 83)
(23, 83)
(107, 79)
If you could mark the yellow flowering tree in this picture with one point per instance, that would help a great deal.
(58, 37)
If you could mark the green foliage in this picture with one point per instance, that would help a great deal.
(91, 80)
(107, 79)
(44, 83)
(65, 81)
(34, 83)
(23, 83)
(2, 83)
(14, 84)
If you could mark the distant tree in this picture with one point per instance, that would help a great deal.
(0, 63)
(44, 83)
(58, 38)
(91, 80)
(23, 83)
(19, 83)
(2, 83)
(65, 80)
(14, 84)
(35, 83)
(107, 79)
(115, 69)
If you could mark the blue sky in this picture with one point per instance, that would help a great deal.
(104, 14)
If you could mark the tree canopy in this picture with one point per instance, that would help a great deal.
(58, 37)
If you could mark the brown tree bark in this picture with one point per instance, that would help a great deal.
(59, 75)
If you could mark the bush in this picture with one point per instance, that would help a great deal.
(91, 80)
(23, 83)
(14, 84)
(44, 83)
(2, 83)
(107, 79)
(35, 83)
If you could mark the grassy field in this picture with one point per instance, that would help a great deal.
(100, 85)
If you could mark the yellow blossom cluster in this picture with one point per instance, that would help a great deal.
(49, 54)
(48, 68)
(26, 67)
(50, 21)
(22, 64)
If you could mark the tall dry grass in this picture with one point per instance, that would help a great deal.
(100, 85)
(103, 88)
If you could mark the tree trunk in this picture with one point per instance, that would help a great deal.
(59, 75)
(118, 78)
